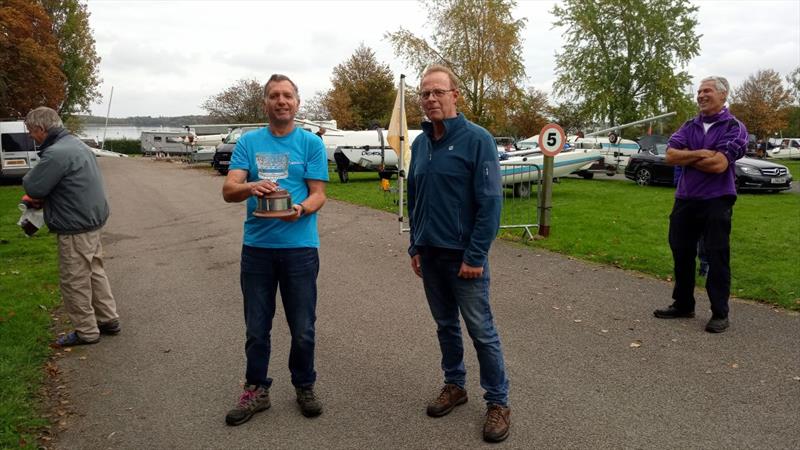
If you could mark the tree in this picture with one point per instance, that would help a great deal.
(570, 116)
(314, 108)
(620, 58)
(481, 43)
(363, 91)
(79, 61)
(414, 114)
(529, 116)
(762, 103)
(30, 74)
(241, 103)
(793, 79)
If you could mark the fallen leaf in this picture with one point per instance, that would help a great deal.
(67, 349)
(674, 340)
(796, 378)
(15, 272)
(635, 344)
(734, 366)
(82, 358)
(111, 435)
(167, 350)
(604, 331)
(577, 321)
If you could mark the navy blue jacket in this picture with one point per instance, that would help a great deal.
(454, 190)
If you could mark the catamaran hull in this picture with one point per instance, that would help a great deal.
(528, 169)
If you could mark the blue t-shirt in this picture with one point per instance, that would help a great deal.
(307, 161)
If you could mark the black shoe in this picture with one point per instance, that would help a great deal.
(717, 325)
(671, 312)
(110, 328)
(310, 406)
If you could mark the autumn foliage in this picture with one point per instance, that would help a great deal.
(30, 65)
(762, 103)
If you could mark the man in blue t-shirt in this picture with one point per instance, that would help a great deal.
(279, 252)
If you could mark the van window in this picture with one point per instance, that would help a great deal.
(17, 142)
(156, 138)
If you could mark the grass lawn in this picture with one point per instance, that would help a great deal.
(793, 165)
(29, 287)
(619, 223)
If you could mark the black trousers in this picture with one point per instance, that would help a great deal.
(710, 219)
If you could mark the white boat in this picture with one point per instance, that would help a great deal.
(789, 148)
(519, 172)
(615, 155)
(368, 149)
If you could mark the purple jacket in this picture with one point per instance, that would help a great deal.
(728, 136)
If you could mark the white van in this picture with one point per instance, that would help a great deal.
(17, 150)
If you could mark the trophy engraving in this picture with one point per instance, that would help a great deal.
(273, 167)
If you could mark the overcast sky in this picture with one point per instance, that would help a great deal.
(164, 58)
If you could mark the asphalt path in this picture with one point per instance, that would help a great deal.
(589, 365)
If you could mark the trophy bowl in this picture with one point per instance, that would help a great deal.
(273, 166)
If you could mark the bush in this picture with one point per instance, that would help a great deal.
(127, 146)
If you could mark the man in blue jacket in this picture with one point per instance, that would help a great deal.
(706, 149)
(454, 200)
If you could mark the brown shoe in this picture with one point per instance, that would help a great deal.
(498, 422)
(450, 397)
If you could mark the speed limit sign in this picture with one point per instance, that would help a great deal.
(552, 139)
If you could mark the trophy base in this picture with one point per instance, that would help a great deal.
(274, 214)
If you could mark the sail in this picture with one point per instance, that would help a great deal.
(398, 129)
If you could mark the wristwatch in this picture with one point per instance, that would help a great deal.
(302, 209)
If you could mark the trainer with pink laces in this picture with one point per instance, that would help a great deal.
(279, 252)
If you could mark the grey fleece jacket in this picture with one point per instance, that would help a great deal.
(69, 181)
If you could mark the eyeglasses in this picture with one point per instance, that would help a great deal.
(438, 93)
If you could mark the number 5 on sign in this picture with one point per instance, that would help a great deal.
(552, 139)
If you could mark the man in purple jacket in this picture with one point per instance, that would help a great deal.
(706, 148)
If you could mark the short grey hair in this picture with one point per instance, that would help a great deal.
(44, 118)
(276, 77)
(443, 69)
(721, 83)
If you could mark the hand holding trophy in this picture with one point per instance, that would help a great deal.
(277, 204)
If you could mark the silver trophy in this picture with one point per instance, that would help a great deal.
(273, 167)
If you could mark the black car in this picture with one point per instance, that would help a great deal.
(222, 155)
(649, 167)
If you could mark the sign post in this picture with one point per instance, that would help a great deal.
(551, 142)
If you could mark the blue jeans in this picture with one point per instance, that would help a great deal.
(447, 295)
(295, 271)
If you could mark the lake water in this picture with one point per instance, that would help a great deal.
(119, 132)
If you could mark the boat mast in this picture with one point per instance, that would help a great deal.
(108, 112)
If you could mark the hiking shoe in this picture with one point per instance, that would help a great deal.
(671, 312)
(450, 397)
(310, 405)
(110, 328)
(717, 325)
(498, 423)
(254, 399)
(72, 339)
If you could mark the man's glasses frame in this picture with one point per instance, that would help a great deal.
(438, 93)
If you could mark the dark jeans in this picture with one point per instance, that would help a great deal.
(447, 295)
(295, 271)
(710, 219)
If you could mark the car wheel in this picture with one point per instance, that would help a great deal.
(643, 177)
(522, 190)
(586, 174)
